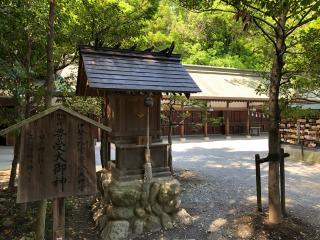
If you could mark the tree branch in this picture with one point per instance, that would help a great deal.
(254, 9)
(301, 23)
(306, 9)
(213, 10)
(307, 100)
(285, 82)
(265, 33)
(303, 19)
(60, 67)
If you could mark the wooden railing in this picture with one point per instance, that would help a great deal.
(259, 161)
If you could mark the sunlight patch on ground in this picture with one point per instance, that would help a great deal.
(4, 176)
(301, 170)
(260, 145)
(253, 199)
(290, 202)
(217, 224)
(244, 231)
(216, 165)
(232, 211)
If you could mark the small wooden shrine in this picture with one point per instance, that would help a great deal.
(57, 155)
(132, 83)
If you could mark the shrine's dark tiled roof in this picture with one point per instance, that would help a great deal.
(120, 70)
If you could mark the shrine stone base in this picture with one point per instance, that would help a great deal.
(126, 209)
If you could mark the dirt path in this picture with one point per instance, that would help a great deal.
(79, 224)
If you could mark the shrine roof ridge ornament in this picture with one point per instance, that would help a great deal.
(49, 111)
(165, 54)
(127, 70)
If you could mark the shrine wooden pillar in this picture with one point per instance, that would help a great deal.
(105, 142)
(205, 126)
(227, 122)
(248, 119)
(205, 129)
(182, 138)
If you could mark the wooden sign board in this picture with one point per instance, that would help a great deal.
(57, 158)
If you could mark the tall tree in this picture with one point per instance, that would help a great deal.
(42, 211)
(21, 43)
(277, 21)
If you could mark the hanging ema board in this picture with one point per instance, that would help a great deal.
(57, 157)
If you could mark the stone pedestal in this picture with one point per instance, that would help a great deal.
(127, 209)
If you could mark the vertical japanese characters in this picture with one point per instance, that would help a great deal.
(81, 152)
(60, 163)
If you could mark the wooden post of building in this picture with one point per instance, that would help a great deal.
(227, 122)
(58, 208)
(105, 143)
(182, 138)
(248, 120)
(205, 127)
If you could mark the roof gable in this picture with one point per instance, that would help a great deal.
(49, 111)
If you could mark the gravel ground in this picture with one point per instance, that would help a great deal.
(229, 169)
(219, 190)
(218, 179)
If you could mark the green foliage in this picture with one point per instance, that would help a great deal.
(206, 38)
(109, 22)
(203, 106)
(22, 52)
(298, 112)
(174, 102)
(300, 70)
(23, 37)
(89, 106)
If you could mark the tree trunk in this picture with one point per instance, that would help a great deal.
(275, 215)
(50, 63)
(274, 157)
(28, 67)
(13, 172)
(42, 210)
(16, 152)
(15, 161)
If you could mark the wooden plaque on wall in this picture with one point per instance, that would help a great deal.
(57, 158)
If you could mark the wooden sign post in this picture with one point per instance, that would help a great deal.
(57, 160)
(58, 210)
